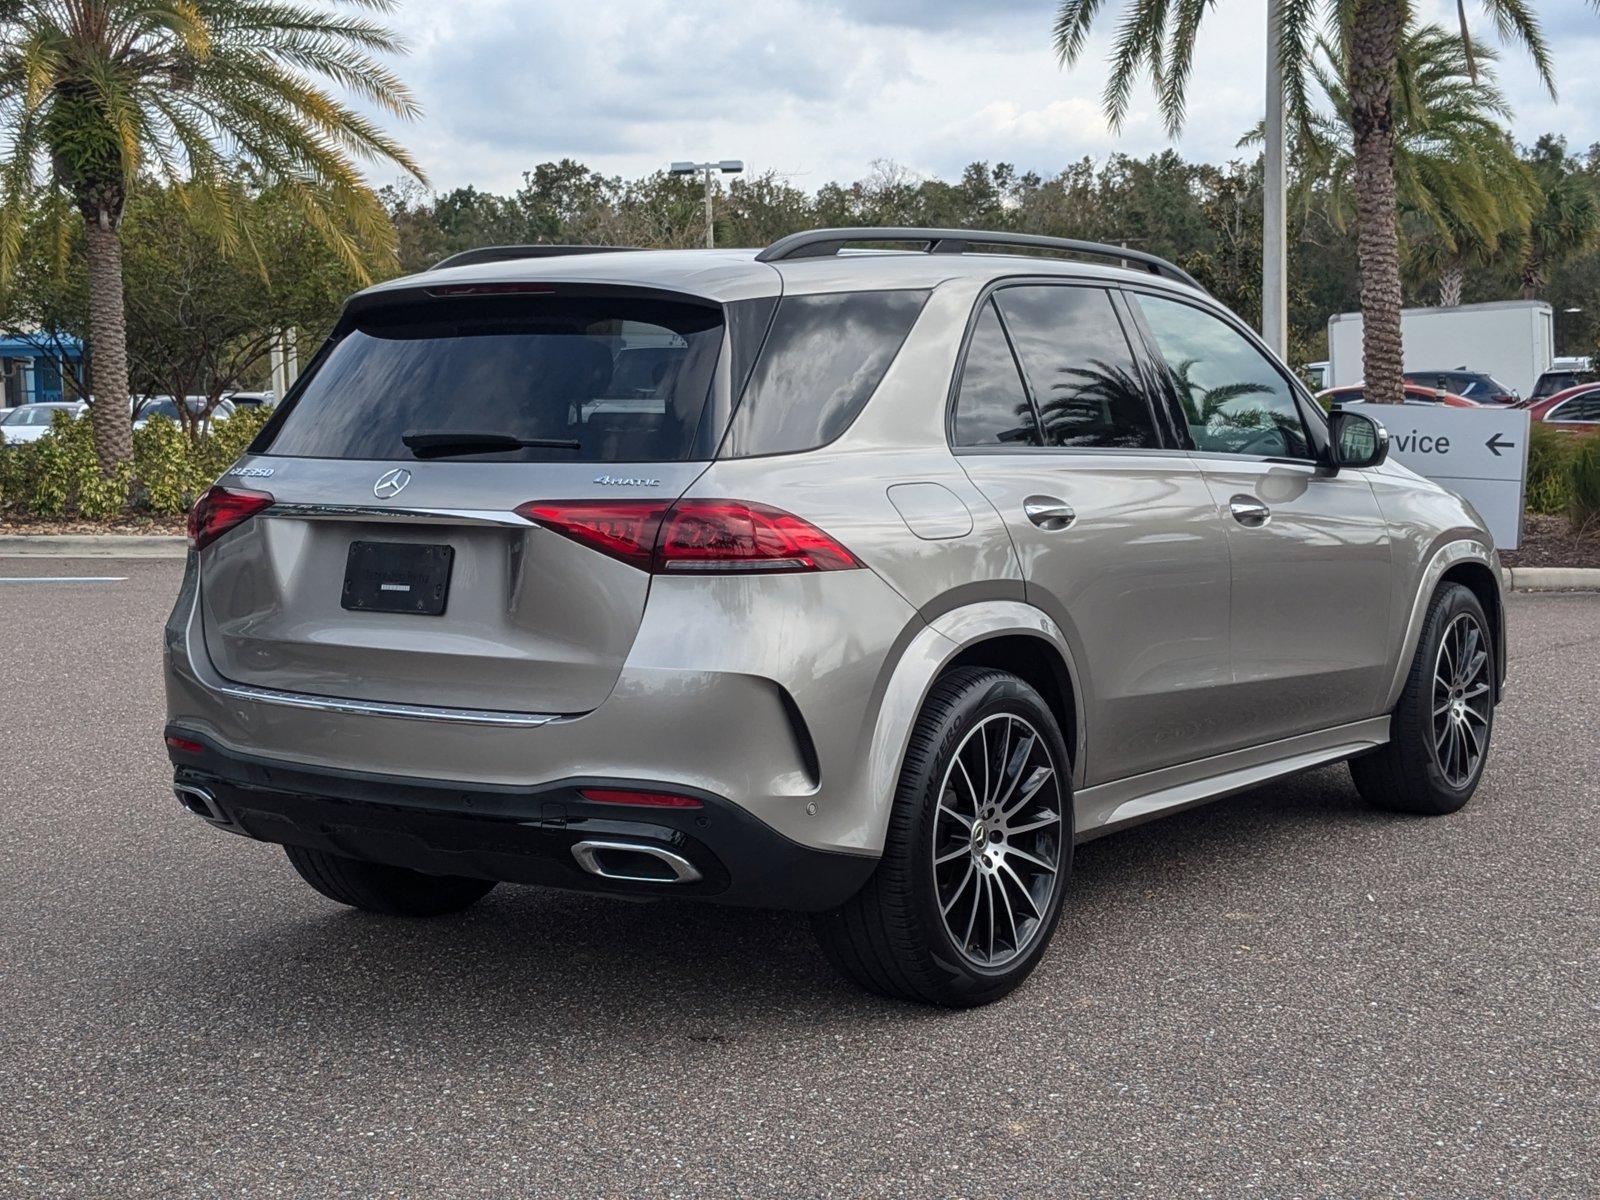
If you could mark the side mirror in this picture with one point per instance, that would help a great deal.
(1357, 440)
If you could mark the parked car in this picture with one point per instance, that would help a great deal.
(30, 422)
(1414, 394)
(1472, 385)
(250, 399)
(887, 579)
(146, 408)
(1559, 380)
(1575, 410)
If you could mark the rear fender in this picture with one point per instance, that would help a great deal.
(925, 658)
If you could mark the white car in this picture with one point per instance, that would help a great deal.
(166, 406)
(30, 422)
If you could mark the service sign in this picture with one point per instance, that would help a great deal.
(1481, 454)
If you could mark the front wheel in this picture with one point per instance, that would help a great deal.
(975, 861)
(1439, 735)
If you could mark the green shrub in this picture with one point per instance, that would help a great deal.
(1550, 455)
(1583, 508)
(59, 476)
(167, 465)
(228, 440)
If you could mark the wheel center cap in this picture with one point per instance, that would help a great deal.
(980, 837)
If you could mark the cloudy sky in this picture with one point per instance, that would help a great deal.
(818, 89)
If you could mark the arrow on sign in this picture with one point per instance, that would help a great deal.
(1495, 444)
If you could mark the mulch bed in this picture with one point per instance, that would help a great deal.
(144, 524)
(1550, 542)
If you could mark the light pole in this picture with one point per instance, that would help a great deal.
(1274, 188)
(727, 166)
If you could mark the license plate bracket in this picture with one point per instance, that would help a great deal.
(397, 577)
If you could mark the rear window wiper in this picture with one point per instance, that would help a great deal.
(432, 443)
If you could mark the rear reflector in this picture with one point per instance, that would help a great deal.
(640, 799)
(220, 509)
(694, 535)
(184, 745)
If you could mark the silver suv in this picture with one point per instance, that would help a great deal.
(858, 581)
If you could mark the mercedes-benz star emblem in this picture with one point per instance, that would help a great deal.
(391, 483)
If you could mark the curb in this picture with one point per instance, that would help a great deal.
(1553, 579)
(93, 545)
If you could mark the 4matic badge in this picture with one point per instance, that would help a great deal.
(626, 481)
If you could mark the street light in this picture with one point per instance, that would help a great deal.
(727, 166)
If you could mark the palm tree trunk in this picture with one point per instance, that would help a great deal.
(108, 336)
(1451, 281)
(1374, 51)
(1532, 276)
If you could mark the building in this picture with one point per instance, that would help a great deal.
(32, 369)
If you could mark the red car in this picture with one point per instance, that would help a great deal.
(1415, 394)
(1575, 410)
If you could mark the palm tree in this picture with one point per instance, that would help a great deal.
(1566, 218)
(1160, 35)
(96, 93)
(1461, 190)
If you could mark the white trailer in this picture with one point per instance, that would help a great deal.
(1513, 340)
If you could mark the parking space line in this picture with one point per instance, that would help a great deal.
(63, 578)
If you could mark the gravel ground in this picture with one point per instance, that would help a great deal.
(1283, 994)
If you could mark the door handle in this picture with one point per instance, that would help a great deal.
(1249, 511)
(1048, 513)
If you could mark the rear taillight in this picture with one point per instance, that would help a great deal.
(220, 509)
(693, 535)
(624, 529)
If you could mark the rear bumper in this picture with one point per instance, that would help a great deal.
(512, 834)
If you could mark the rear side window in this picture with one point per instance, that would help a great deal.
(1078, 364)
(992, 407)
(823, 358)
(1579, 408)
(627, 379)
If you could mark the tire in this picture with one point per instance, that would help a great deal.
(392, 891)
(918, 930)
(1426, 768)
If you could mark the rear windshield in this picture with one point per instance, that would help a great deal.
(626, 379)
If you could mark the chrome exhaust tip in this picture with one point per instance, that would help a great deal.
(632, 862)
(201, 803)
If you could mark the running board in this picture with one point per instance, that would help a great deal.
(1107, 807)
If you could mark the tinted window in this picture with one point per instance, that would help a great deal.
(1579, 408)
(991, 407)
(1078, 364)
(1234, 400)
(626, 379)
(823, 358)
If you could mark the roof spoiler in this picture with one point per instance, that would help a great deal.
(825, 243)
(488, 254)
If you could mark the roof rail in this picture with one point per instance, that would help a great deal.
(824, 243)
(487, 254)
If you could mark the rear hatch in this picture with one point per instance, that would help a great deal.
(378, 574)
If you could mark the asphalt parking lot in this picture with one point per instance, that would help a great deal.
(1283, 994)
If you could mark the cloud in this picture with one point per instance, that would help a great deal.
(819, 89)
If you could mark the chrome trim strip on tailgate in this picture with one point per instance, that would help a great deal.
(380, 708)
(373, 512)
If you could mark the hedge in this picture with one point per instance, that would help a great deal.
(58, 475)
